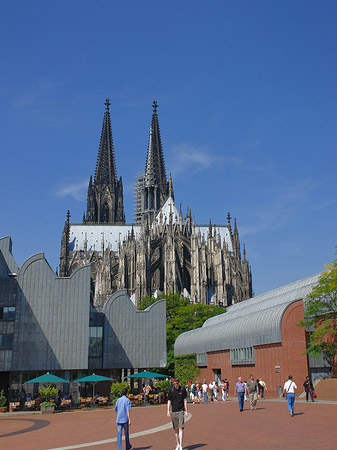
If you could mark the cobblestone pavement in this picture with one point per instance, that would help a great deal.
(215, 426)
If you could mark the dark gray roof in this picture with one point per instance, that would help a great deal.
(256, 321)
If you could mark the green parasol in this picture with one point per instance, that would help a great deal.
(146, 374)
(47, 378)
(93, 379)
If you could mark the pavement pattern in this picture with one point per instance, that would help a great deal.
(214, 426)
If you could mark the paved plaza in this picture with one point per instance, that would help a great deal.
(215, 426)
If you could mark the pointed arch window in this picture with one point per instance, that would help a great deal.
(105, 213)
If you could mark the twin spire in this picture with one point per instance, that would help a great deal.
(105, 192)
(156, 188)
(106, 173)
(155, 172)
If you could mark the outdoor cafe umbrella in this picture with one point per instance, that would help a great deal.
(146, 374)
(47, 378)
(93, 379)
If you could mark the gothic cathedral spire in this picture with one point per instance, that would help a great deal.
(105, 193)
(156, 187)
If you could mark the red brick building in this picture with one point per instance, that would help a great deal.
(258, 336)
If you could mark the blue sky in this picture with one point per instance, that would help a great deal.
(247, 98)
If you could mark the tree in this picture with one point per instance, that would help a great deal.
(181, 316)
(185, 368)
(321, 314)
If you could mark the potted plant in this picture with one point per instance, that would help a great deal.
(48, 392)
(3, 402)
(47, 407)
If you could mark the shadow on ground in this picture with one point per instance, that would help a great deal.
(37, 424)
(193, 447)
(142, 448)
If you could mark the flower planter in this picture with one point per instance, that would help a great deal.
(3, 410)
(47, 409)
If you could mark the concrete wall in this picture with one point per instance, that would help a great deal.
(132, 338)
(52, 318)
(9, 290)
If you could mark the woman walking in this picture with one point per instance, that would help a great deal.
(289, 392)
(309, 389)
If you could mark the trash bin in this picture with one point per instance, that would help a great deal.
(279, 391)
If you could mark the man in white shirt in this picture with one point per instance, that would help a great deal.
(289, 392)
(211, 389)
(204, 388)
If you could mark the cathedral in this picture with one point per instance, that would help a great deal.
(161, 251)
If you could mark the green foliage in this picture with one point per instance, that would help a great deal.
(185, 368)
(180, 317)
(3, 399)
(48, 391)
(163, 385)
(116, 389)
(321, 313)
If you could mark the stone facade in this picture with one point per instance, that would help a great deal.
(162, 251)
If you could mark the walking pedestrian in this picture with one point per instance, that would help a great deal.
(289, 392)
(123, 420)
(200, 394)
(262, 388)
(309, 389)
(211, 389)
(204, 392)
(215, 391)
(252, 386)
(240, 388)
(223, 390)
(227, 388)
(177, 400)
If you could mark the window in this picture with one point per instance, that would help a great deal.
(6, 341)
(7, 313)
(95, 341)
(243, 355)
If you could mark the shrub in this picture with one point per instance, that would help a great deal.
(48, 392)
(116, 389)
(163, 385)
(3, 399)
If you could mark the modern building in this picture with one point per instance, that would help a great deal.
(258, 336)
(49, 323)
(162, 251)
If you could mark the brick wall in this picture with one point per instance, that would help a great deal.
(288, 355)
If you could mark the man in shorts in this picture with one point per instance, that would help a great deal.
(177, 398)
(251, 389)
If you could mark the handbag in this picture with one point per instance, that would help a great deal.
(314, 394)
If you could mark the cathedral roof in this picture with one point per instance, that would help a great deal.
(165, 211)
(95, 233)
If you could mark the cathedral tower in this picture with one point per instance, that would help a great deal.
(156, 187)
(105, 193)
